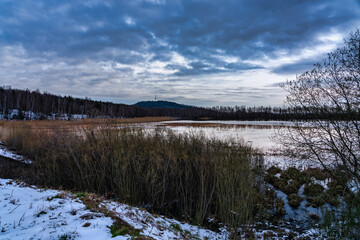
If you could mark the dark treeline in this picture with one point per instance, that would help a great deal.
(256, 113)
(48, 104)
(281, 114)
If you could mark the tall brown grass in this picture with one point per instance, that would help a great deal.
(81, 123)
(186, 176)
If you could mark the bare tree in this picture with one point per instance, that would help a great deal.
(331, 93)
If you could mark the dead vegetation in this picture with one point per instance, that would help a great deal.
(185, 176)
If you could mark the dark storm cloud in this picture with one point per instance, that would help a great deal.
(247, 29)
(143, 40)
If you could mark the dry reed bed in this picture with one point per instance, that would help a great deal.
(81, 123)
(185, 176)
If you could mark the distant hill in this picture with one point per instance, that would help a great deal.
(161, 104)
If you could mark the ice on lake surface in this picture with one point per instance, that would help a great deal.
(260, 134)
(257, 133)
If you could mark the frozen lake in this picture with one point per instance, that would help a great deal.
(257, 133)
(260, 134)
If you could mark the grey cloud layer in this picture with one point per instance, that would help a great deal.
(153, 43)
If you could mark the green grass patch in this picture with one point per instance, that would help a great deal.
(118, 230)
(80, 194)
(176, 227)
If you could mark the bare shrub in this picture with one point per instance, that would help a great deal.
(330, 94)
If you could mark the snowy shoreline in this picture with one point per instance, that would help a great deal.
(28, 212)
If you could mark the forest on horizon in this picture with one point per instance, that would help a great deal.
(46, 104)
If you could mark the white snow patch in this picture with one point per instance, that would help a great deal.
(9, 154)
(284, 162)
(354, 185)
(160, 227)
(28, 213)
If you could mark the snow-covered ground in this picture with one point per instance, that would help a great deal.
(30, 213)
(284, 162)
(29, 115)
(27, 212)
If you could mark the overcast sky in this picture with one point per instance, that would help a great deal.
(199, 52)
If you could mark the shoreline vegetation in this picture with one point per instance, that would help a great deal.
(186, 176)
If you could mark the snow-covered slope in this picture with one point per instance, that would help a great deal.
(30, 213)
(27, 212)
